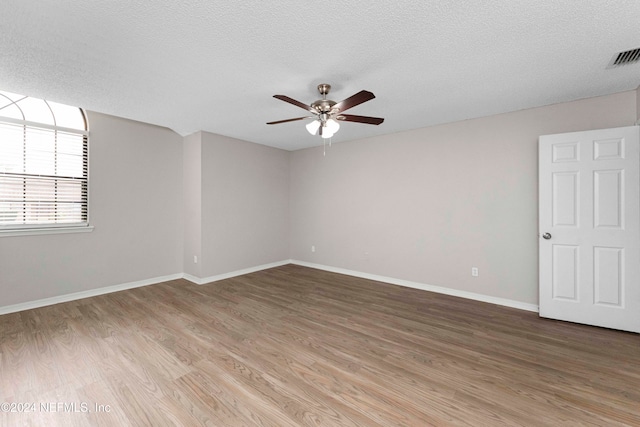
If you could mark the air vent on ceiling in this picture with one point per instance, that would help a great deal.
(626, 57)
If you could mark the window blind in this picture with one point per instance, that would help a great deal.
(43, 175)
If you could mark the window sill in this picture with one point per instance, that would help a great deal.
(40, 231)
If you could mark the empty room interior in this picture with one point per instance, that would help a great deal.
(343, 214)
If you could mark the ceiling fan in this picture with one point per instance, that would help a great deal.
(327, 113)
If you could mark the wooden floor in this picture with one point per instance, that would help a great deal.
(295, 346)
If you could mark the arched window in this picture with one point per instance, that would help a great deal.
(43, 164)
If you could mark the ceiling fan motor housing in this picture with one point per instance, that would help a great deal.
(323, 105)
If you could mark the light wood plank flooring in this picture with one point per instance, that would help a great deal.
(296, 346)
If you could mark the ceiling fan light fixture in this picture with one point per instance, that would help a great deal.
(326, 134)
(313, 127)
(332, 126)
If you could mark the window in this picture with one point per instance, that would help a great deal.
(43, 165)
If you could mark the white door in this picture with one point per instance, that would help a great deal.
(589, 219)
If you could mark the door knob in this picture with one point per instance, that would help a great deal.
(546, 236)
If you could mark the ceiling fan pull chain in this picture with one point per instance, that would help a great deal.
(324, 147)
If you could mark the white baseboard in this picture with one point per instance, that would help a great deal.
(431, 288)
(203, 280)
(86, 294)
(115, 288)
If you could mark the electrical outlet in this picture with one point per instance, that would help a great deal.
(195, 259)
(474, 271)
(313, 248)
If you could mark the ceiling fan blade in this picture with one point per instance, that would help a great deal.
(353, 100)
(290, 120)
(360, 119)
(294, 102)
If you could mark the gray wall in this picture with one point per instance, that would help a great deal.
(638, 105)
(424, 205)
(192, 202)
(156, 200)
(245, 205)
(429, 204)
(135, 206)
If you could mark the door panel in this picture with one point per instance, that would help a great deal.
(609, 207)
(565, 199)
(589, 188)
(565, 272)
(610, 149)
(608, 275)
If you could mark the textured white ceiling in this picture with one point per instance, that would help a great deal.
(214, 65)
